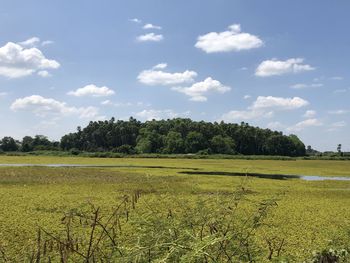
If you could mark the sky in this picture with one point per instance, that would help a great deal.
(275, 64)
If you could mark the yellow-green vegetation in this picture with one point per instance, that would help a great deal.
(172, 216)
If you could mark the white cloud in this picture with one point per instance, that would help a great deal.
(125, 104)
(31, 42)
(93, 91)
(150, 37)
(276, 67)
(47, 42)
(340, 91)
(44, 73)
(264, 107)
(338, 124)
(337, 78)
(106, 102)
(158, 77)
(3, 94)
(275, 125)
(279, 103)
(160, 66)
(305, 124)
(246, 97)
(230, 40)
(151, 26)
(305, 86)
(135, 20)
(17, 61)
(339, 112)
(235, 115)
(198, 90)
(159, 114)
(43, 107)
(309, 114)
(34, 41)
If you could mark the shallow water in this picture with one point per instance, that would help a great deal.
(272, 176)
(323, 178)
(194, 171)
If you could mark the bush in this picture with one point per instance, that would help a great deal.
(74, 151)
(331, 256)
(125, 148)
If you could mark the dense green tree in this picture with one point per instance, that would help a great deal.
(220, 144)
(174, 143)
(194, 142)
(27, 144)
(182, 136)
(8, 144)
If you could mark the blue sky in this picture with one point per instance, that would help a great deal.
(277, 64)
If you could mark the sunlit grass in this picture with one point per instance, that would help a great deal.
(308, 216)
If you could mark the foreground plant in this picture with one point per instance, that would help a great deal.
(170, 229)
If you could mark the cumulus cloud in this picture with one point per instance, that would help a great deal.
(309, 114)
(305, 86)
(150, 37)
(235, 115)
(276, 67)
(93, 91)
(18, 61)
(270, 102)
(44, 73)
(198, 90)
(155, 76)
(305, 124)
(43, 107)
(151, 26)
(264, 107)
(159, 114)
(246, 97)
(231, 40)
(275, 125)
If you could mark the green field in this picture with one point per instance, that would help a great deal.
(309, 215)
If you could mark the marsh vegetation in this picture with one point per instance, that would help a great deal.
(146, 210)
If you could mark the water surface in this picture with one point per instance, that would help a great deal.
(194, 171)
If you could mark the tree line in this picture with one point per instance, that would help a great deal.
(172, 136)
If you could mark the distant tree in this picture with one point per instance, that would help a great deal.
(149, 141)
(125, 148)
(194, 142)
(339, 149)
(8, 144)
(220, 144)
(298, 148)
(181, 136)
(174, 143)
(27, 144)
